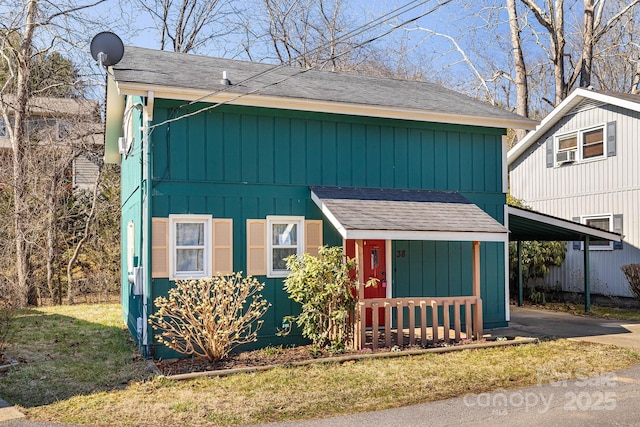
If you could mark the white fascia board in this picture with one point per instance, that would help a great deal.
(565, 106)
(299, 104)
(452, 236)
(574, 98)
(563, 223)
(327, 213)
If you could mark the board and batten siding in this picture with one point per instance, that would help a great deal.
(248, 163)
(131, 196)
(608, 186)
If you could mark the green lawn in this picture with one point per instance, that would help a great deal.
(81, 368)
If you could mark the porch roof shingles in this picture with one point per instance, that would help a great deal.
(406, 215)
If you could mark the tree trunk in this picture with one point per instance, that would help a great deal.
(558, 44)
(635, 89)
(19, 144)
(587, 44)
(52, 200)
(522, 85)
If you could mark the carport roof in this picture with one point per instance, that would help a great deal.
(525, 225)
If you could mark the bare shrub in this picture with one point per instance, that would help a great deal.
(632, 273)
(210, 317)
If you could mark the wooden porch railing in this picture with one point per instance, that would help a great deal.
(417, 310)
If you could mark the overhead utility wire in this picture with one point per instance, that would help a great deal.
(359, 45)
(355, 32)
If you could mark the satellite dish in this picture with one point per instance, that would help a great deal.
(107, 48)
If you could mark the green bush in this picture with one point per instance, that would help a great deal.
(210, 317)
(632, 273)
(537, 258)
(324, 288)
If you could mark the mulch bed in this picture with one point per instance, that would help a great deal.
(271, 356)
(246, 359)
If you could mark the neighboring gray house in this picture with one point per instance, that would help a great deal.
(581, 163)
(68, 122)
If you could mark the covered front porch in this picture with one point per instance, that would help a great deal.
(384, 317)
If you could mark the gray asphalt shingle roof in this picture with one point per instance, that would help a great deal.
(162, 68)
(404, 210)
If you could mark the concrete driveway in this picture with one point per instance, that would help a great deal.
(610, 399)
(530, 322)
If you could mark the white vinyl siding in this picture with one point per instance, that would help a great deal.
(585, 189)
(85, 173)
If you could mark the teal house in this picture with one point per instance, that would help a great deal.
(231, 166)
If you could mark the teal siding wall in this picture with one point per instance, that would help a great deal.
(441, 269)
(131, 207)
(242, 162)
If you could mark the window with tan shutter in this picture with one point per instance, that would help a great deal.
(189, 246)
(159, 247)
(222, 246)
(313, 236)
(256, 247)
(285, 237)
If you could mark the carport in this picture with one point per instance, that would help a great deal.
(527, 225)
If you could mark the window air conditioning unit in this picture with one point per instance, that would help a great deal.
(566, 156)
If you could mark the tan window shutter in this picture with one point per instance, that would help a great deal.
(222, 250)
(159, 247)
(312, 236)
(257, 247)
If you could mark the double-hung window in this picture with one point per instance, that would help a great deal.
(593, 143)
(285, 237)
(603, 222)
(190, 246)
(580, 145)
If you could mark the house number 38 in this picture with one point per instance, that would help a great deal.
(401, 253)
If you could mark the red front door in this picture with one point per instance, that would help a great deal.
(374, 265)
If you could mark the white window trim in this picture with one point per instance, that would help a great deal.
(276, 219)
(583, 220)
(579, 137)
(176, 219)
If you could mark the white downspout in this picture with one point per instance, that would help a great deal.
(147, 116)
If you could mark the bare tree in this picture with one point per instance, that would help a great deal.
(21, 21)
(552, 19)
(310, 33)
(520, 79)
(189, 25)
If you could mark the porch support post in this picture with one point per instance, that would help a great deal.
(520, 287)
(360, 268)
(475, 266)
(359, 330)
(587, 277)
